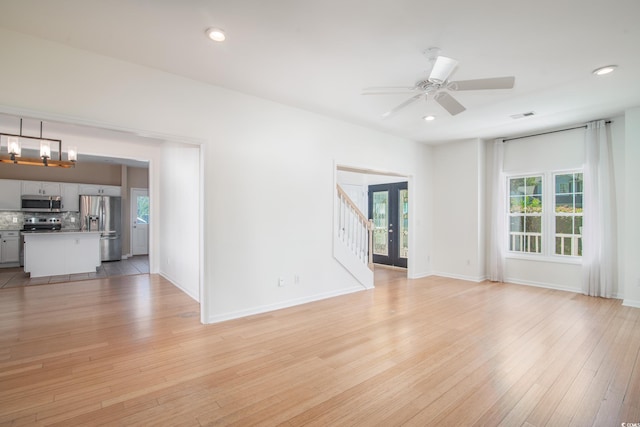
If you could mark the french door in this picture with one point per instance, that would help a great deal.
(389, 210)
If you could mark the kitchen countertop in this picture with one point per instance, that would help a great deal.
(58, 232)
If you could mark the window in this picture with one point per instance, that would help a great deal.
(525, 214)
(536, 230)
(568, 214)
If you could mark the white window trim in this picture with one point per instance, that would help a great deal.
(548, 220)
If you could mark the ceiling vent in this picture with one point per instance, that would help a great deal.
(522, 115)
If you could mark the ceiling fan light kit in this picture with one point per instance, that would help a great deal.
(438, 85)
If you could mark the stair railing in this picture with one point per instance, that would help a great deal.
(354, 229)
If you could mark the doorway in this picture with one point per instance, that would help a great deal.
(139, 221)
(389, 210)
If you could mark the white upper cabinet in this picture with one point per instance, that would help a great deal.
(30, 188)
(10, 192)
(70, 201)
(99, 190)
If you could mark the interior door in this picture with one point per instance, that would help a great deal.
(139, 221)
(389, 210)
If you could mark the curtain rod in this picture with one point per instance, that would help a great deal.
(551, 131)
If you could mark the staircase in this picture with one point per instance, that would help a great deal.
(352, 242)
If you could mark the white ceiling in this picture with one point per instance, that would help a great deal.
(318, 55)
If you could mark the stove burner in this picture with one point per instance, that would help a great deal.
(42, 224)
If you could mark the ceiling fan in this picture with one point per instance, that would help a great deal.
(437, 85)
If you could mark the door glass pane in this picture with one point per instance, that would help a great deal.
(380, 209)
(404, 223)
(142, 203)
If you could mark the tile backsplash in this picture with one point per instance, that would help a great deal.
(6, 220)
(70, 220)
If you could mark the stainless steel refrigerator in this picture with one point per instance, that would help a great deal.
(103, 214)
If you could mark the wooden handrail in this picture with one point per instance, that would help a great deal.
(361, 246)
(350, 202)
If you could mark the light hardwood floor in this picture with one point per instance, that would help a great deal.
(433, 351)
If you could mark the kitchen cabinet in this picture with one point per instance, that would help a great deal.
(70, 193)
(36, 187)
(10, 192)
(9, 247)
(99, 190)
(51, 254)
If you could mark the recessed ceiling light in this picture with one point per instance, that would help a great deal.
(604, 70)
(429, 118)
(216, 34)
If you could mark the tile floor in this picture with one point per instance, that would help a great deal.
(14, 277)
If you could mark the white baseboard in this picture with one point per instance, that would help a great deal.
(476, 279)
(177, 285)
(631, 303)
(419, 275)
(553, 286)
(280, 305)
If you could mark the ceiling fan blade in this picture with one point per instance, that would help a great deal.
(449, 103)
(397, 92)
(403, 105)
(479, 84)
(376, 88)
(442, 69)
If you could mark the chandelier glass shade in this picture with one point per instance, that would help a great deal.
(14, 151)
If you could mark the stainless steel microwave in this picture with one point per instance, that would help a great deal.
(41, 203)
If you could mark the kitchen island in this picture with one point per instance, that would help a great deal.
(61, 252)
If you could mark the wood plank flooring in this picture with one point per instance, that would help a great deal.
(130, 350)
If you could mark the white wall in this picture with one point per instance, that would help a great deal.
(631, 206)
(279, 187)
(268, 168)
(179, 218)
(458, 202)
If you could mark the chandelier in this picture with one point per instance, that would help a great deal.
(14, 149)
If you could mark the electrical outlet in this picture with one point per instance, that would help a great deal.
(296, 280)
(281, 282)
(73, 219)
(15, 220)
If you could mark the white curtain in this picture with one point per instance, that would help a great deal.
(599, 223)
(497, 236)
